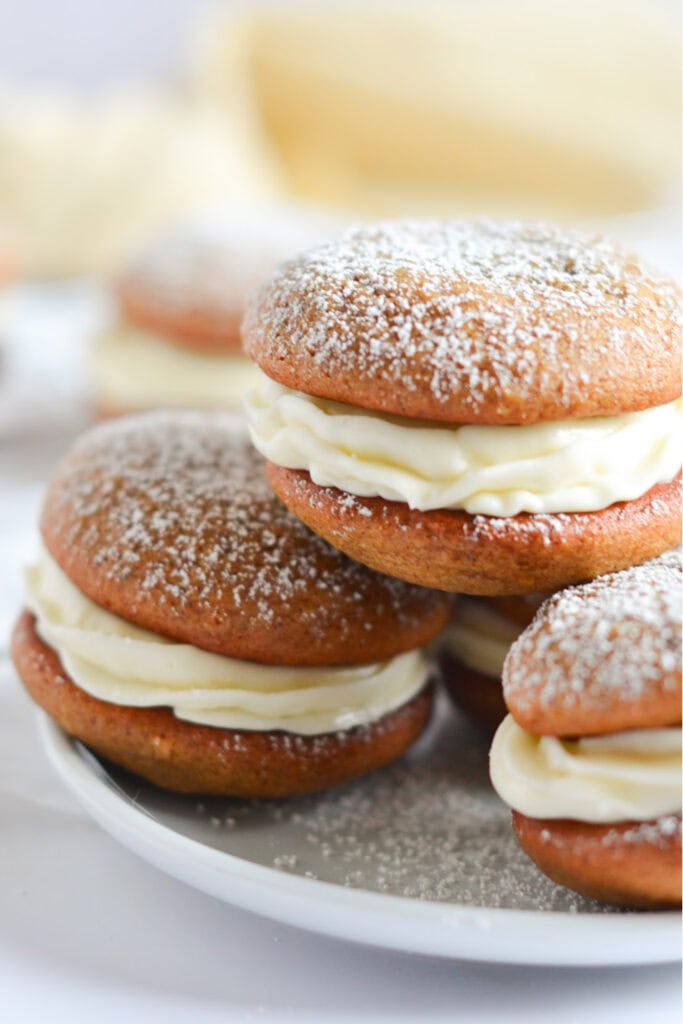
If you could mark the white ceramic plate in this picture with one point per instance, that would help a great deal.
(418, 858)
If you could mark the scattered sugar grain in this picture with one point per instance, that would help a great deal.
(429, 827)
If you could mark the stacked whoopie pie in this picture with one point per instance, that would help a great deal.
(184, 625)
(589, 757)
(494, 409)
(176, 341)
(484, 409)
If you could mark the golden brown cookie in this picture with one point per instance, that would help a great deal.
(602, 657)
(632, 863)
(520, 610)
(172, 595)
(479, 696)
(591, 763)
(487, 323)
(487, 555)
(188, 758)
(167, 520)
(191, 284)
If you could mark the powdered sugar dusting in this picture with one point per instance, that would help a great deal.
(212, 262)
(179, 504)
(660, 833)
(474, 313)
(619, 635)
(551, 528)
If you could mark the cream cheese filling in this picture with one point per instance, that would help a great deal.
(119, 663)
(565, 466)
(480, 637)
(625, 776)
(132, 368)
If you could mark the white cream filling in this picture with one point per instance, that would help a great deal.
(566, 466)
(480, 637)
(117, 662)
(625, 776)
(137, 369)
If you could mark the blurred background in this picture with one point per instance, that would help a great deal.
(122, 119)
(117, 118)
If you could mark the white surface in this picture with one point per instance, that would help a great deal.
(408, 925)
(90, 932)
(88, 45)
(84, 44)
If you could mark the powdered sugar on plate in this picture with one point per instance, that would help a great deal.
(430, 827)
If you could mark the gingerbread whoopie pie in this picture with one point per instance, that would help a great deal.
(486, 408)
(185, 626)
(589, 758)
(472, 649)
(176, 338)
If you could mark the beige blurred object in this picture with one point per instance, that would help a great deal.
(9, 273)
(565, 109)
(176, 342)
(83, 182)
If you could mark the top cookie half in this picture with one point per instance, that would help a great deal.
(491, 323)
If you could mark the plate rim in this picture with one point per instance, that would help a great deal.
(383, 920)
